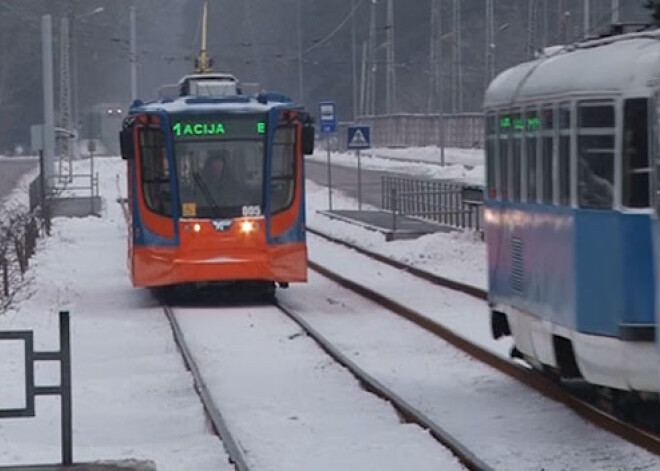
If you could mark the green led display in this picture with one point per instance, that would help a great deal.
(218, 127)
(506, 123)
(198, 129)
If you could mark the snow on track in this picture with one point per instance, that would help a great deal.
(292, 407)
(507, 424)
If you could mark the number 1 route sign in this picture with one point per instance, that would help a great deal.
(327, 117)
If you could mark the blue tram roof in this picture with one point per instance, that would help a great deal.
(236, 104)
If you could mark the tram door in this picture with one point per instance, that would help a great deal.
(150, 195)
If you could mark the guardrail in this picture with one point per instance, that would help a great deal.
(450, 204)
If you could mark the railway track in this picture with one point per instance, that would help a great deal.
(407, 412)
(234, 451)
(533, 379)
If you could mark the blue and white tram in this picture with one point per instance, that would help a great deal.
(571, 179)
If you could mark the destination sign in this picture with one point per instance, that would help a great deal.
(220, 128)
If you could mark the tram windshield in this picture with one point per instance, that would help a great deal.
(220, 179)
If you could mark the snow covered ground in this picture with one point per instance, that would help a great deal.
(462, 165)
(134, 399)
(457, 255)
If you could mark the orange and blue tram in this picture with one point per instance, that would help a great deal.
(216, 190)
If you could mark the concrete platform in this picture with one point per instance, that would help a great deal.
(393, 227)
(127, 465)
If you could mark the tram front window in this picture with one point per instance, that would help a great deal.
(220, 179)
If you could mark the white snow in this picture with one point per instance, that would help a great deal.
(462, 165)
(292, 407)
(456, 255)
(505, 423)
(133, 397)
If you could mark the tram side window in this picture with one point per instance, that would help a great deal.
(283, 168)
(155, 171)
(595, 155)
(491, 146)
(635, 159)
(532, 125)
(547, 150)
(505, 129)
(564, 155)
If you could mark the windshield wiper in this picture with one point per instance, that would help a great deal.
(207, 194)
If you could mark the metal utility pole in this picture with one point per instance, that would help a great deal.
(544, 39)
(65, 95)
(363, 81)
(49, 113)
(563, 23)
(531, 28)
(586, 18)
(371, 94)
(441, 89)
(615, 12)
(457, 96)
(354, 62)
(490, 43)
(134, 59)
(433, 59)
(300, 56)
(390, 77)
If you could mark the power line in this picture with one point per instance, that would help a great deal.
(332, 33)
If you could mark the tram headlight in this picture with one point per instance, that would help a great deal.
(197, 227)
(247, 227)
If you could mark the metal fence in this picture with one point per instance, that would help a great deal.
(451, 204)
(464, 130)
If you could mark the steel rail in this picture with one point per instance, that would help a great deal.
(526, 376)
(235, 452)
(430, 277)
(408, 412)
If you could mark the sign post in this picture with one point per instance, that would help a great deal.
(328, 126)
(358, 138)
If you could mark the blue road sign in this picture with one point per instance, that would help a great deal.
(327, 117)
(358, 137)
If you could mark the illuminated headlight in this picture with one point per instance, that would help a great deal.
(197, 227)
(247, 227)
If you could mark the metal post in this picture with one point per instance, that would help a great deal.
(615, 11)
(91, 179)
(359, 176)
(354, 62)
(75, 96)
(134, 59)
(301, 95)
(45, 210)
(587, 14)
(49, 113)
(329, 176)
(65, 378)
(393, 205)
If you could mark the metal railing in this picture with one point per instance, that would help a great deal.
(63, 356)
(450, 204)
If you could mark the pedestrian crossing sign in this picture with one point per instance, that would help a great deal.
(358, 137)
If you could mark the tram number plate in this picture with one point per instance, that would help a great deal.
(251, 211)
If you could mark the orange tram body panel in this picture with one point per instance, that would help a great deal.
(216, 190)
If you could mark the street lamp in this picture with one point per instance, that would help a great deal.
(74, 58)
